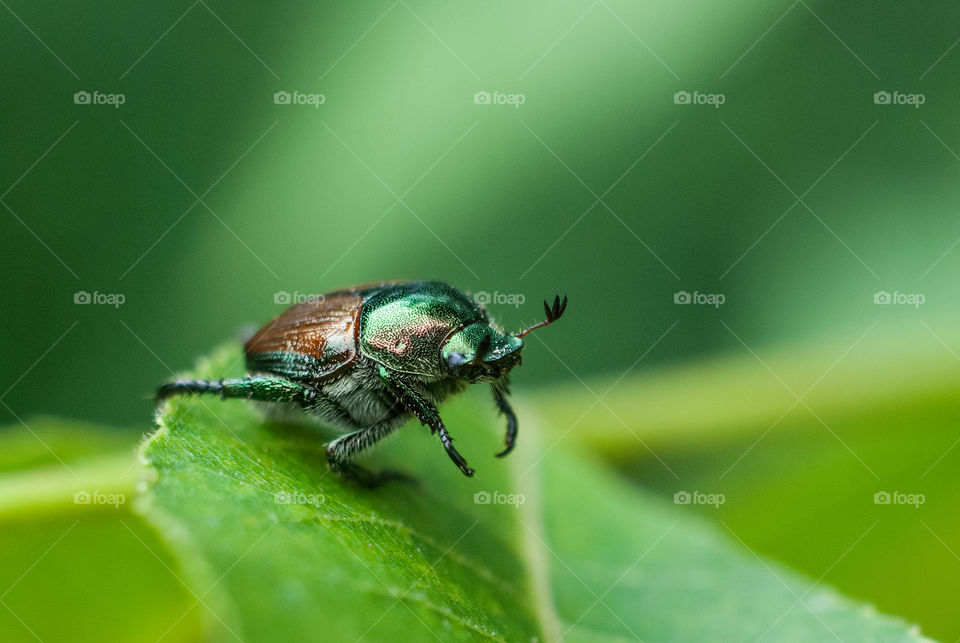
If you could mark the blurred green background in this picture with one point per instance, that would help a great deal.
(200, 198)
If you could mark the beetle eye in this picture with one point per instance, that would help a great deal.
(455, 359)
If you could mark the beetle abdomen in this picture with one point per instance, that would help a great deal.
(309, 340)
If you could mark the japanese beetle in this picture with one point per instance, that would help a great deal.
(366, 358)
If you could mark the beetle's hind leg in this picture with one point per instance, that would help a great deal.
(258, 388)
(343, 449)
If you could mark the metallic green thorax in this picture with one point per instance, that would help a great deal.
(404, 328)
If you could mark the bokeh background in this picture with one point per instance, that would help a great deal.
(204, 200)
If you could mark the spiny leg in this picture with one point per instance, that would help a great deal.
(458, 459)
(341, 450)
(500, 392)
(424, 410)
(258, 388)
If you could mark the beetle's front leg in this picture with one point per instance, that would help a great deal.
(425, 411)
(500, 392)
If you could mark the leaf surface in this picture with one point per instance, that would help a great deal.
(280, 549)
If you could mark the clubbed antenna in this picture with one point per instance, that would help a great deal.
(553, 314)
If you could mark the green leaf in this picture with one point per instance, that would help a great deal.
(879, 414)
(71, 569)
(279, 549)
(740, 394)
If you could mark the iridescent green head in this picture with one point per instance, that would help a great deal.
(480, 352)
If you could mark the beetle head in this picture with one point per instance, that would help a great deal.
(481, 353)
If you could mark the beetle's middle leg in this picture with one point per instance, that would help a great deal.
(424, 410)
(343, 449)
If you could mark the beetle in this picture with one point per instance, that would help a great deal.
(369, 357)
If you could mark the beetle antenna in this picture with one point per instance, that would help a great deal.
(553, 314)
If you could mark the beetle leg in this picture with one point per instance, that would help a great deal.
(341, 450)
(458, 460)
(259, 388)
(425, 411)
(500, 392)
